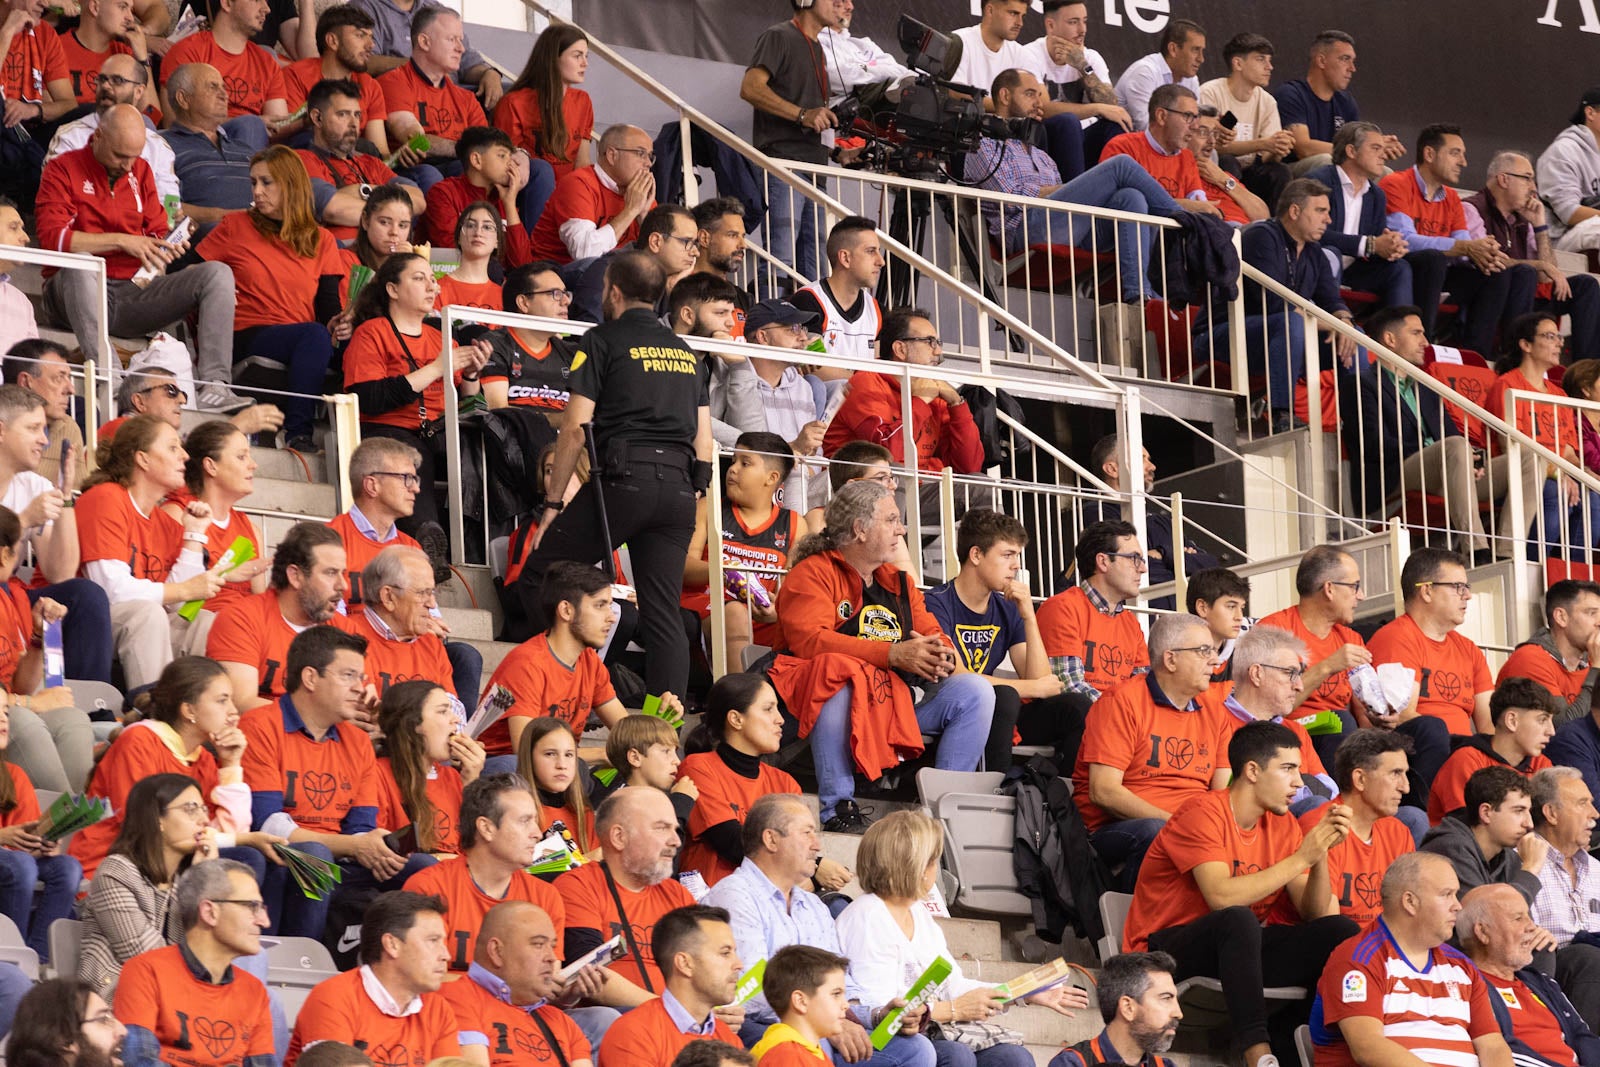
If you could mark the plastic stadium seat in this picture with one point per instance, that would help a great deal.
(1172, 331)
(66, 943)
(979, 828)
(297, 962)
(13, 949)
(1049, 268)
(1303, 1045)
(1472, 377)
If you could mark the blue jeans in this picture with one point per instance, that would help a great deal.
(793, 224)
(257, 965)
(594, 1021)
(1276, 347)
(901, 1051)
(1118, 184)
(959, 710)
(86, 631)
(427, 175)
(1564, 525)
(20, 872)
(305, 349)
(14, 985)
(466, 670)
(531, 201)
(249, 130)
(955, 1054)
(1415, 819)
(1125, 842)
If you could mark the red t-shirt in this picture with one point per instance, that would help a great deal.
(1355, 867)
(446, 202)
(452, 881)
(219, 538)
(76, 196)
(1111, 646)
(1530, 661)
(443, 789)
(390, 662)
(26, 808)
(725, 795)
(513, 1040)
(83, 65)
(517, 113)
(1334, 692)
(34, 60)
(1532, 1019)
(1453, 671)
(359, 549)
(545, 686)
(110, 527)
(1231, 211)
(359, 169)
(590, 907)
(254, 632)
(445, 110)
(580, 195)
(374, 354)
(1433, 1013)
(16, 628)
(469, 294)
(647, 1037)
(137, 753)
(198, 1024)
(339, 1009)
(1177, 173)
(301, 75)
(320, 781)
(1205, 831)
(1449, 790)
(1433, 218)
(252, 78)
(276, 286)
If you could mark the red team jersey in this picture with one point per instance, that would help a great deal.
(512, 1038)
(1453, 671)
(760, 551)
(1334, 692)
(254, 632)
(391, 662)
(252, 78)
(545, 686)
(359, 549)
(110, 527)
(452, 880)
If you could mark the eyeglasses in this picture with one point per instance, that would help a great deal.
(932, 342)
(688, 243)
(410, 481)
(1523, 177)
(194, 809)
(257, 906)
(560, 296)
(350, 677)
(646, 154)
(1355, 585)
(483, 226)
(1548, 335)
(168, 390)
(1208, 652)
(1294, 674)
(430, 593)
(1463, 589)
(1186, 116)
(1138, 559)
(884, 478)
(115, 81)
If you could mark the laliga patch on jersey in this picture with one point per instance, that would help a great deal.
(1355, 987)
(844, 609)
(577, 360)
(1510, 997)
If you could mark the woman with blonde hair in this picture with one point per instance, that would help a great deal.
(890, 939)
(286, 271)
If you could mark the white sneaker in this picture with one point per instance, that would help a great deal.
(220, 398)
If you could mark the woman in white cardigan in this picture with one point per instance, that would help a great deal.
(890, 939)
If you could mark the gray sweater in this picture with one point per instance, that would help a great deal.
(1453, 840)
(1569, 172)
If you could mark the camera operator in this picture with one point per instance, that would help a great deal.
(1020, 168)
(787, 85)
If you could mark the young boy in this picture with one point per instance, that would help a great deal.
(1220, 598)
(1523, 714)
(644, 751)
(493, 170)
(758, 534)
(805, 986)
(988, 613)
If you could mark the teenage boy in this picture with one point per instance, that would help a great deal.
(1523, 714)
(492, 171)
(806, 987)
(988, 613)
(758, 534)
(644, 750)
(1222, 599)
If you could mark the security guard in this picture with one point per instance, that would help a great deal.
(646, 393)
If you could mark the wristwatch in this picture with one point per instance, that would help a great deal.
(365, 190)
(1230, 185)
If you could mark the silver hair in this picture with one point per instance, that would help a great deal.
(183, 80)
(388, 568)
(137, 382)
(855, 502)
(1319, 566)
(1403, 876)
(1546, 788)
(203, 882)
(1260, 644)
(772, 811)
(1502, 161)
(1168, 632)
(375, 453)
(1478, 906)
(614, 136)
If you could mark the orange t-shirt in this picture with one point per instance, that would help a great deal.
(1165, 755)
(1177, 173)
(1111, 646)
(16, 628)
(390, 662)
(301, 75)
(545, 686)
(137, 753)
(1334, 692)
(252, 78)
(1355, 867)
(254, 632)
(452, 880)
(320, 782)
(374, 354)
(26, 808)
(276, 286)
(517, 113)
(445, 110)
(198, 1024)
(339, 1009)
(218, 540)
(1204, 831)
(359, 550)
(1453, 671)
(590, 907)
(725, 795)
(1552, 426)
(1215, 700)
(1530, 661)
(550, 814)
(513, 1040)
(443, 789)
(83, 65)
(1449, 790)
(34, 60)
(469, 294)
(111, 527)
(647, 1037)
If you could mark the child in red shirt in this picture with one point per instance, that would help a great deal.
(418, 781)
(547, 756)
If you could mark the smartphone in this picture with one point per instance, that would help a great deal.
(403, 842)
(1228, 121)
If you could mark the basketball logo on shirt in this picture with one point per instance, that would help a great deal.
(1440, 685)
(217, 1035)
(238, 89)
(976, 643)
(1179, 752)
(434, 117)
(1367, 888)
(564, 709)
(16, 65)
(395, 1055)
(319, 787)
(1110, 658)
(530, 1045)
(1328, 691)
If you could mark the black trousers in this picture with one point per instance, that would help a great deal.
(1430, 747)
(1232, 946)
(1488, 301)
(1056, 721)
(650, 506)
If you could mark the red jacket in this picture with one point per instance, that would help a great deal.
(449, 198)
(946, 436)
(76, 196)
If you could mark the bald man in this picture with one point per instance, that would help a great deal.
(102, 200)
(596, 209)
(124, 80)
(1540, 1024)
(213, 166)
(515, 965)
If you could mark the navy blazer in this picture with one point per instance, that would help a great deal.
(1380, 431)
(1374, 213)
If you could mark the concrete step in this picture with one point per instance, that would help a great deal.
(283, 465)
(1042, 1026)
(468, 624)
(972, 939)
(493, 652)
(315, 499)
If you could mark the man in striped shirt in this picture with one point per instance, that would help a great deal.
(1396, 993)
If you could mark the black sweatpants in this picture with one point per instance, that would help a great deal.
(1232, 946)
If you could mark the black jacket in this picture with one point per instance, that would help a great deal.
(1201, 253)
(1380, 431)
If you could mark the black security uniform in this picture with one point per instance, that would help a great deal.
(649, 389)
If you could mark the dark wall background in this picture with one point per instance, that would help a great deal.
(1499, 68)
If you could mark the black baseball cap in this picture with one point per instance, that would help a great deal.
(776, 311)
(1590, 98)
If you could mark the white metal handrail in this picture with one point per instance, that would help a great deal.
(45, 257)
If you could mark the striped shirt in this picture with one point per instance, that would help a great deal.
(1434, 1013)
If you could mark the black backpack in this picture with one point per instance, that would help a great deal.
(1056, 867)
